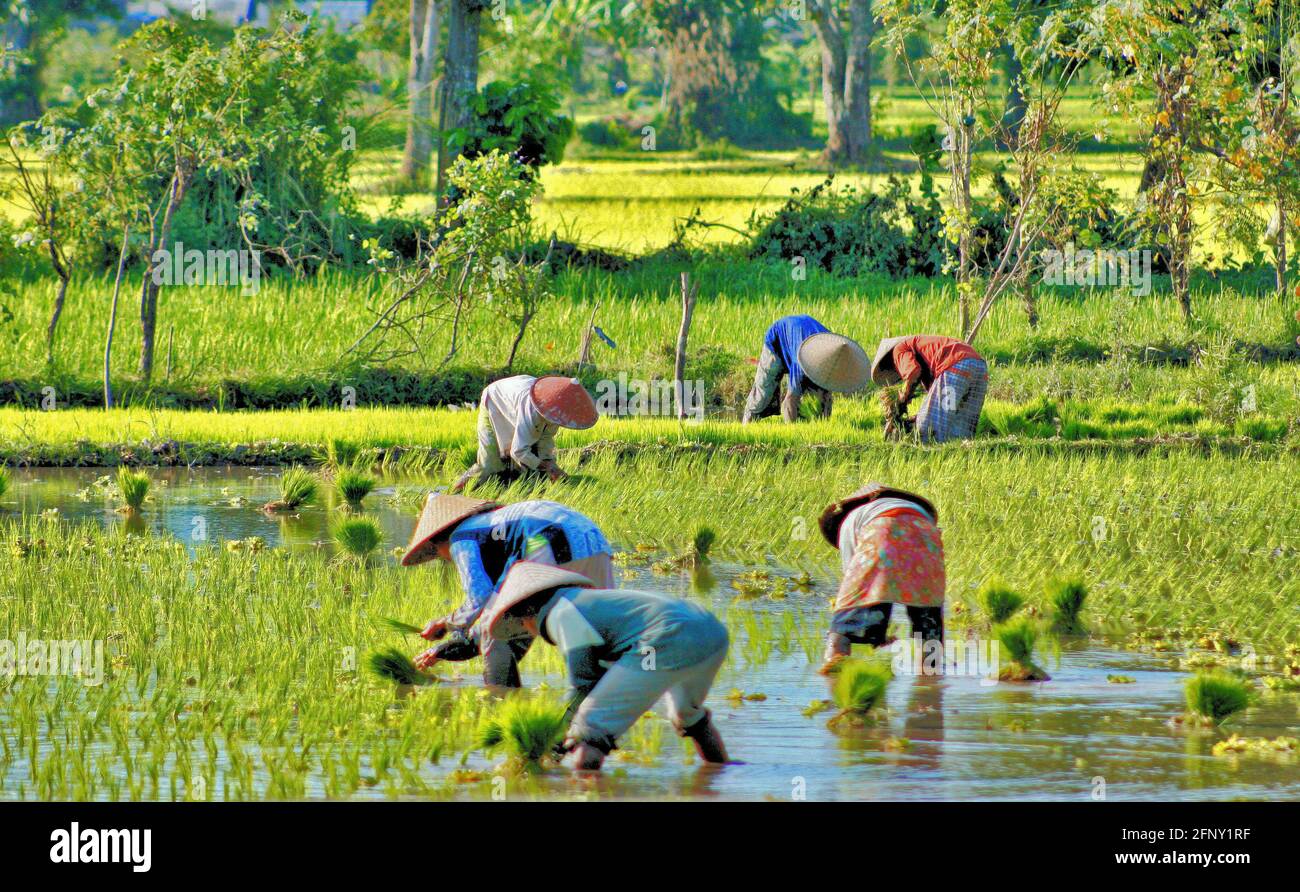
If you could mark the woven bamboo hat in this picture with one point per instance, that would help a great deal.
(882, 367)
(564, 401)
(441, 513)
(834, 514)
(525, 579)
(834, 362)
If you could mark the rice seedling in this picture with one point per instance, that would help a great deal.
(1017, 638)
(393, 624)
(693, 558)
(1214, 697)
(859, 687)
(999, 601)
(358, 537)
(132, 487)
(4, 481)
(1066, 597)
(353, 485)
(297, 487)
(391, 664)
(528, 728)
(341, 454)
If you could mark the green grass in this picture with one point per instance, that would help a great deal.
(132, 487)
(1216, 696)
(358, 537)
(4, 481)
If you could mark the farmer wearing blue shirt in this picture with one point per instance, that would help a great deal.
(622, 650)
(483, 540)
(814, 360)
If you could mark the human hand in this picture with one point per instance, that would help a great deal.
(436, 629)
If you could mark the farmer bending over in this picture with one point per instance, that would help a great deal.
(622, 650)
(517, 421)
(954, 376)
(892, 552)
(816, 362)
(484, 539)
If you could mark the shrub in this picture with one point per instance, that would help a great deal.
(521, 120)
(1216, 695)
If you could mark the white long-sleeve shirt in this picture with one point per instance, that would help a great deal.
(521, 432)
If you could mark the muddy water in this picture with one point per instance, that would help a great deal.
(954, 737)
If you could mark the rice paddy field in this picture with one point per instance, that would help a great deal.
(1151, 462)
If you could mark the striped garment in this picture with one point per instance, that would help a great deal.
(952, 405)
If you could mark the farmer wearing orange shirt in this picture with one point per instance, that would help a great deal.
(892, 553)
(954, 376)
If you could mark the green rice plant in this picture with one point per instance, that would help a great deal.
(527, 727)
(297, 487)
(132, 486)
(1066, 597)
(340, 453)
(999, 601)
(353, 485)
(1215, 696)
(391, 664)
(1017, 638)
(393, 624)
(359, 537)
(4, 481)
(859, 687)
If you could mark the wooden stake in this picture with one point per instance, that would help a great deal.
(679, 369)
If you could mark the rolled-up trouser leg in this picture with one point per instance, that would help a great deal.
(686, 696)
(766, 380)
(501, 661)
(863, 625)
(489, 462)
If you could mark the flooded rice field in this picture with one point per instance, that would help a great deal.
(1099, 729)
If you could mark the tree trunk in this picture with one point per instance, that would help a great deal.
(62, 272)
(112, 320)
(149, 290)
(1280, 255)
(857, 82)
(460, 77)
(679, 363)
(834, 64)
(1014, 111)
(419, 95)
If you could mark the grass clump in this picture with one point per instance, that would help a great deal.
(391, 664)
(297, 487)
(527, 728)
(1215, 696)
(1066, 596)
(1000, 602)
(353, 485)
(132, 486)
(358, 537)
(4, 481)
(859, 687)
(1017, 638)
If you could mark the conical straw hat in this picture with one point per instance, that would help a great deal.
(564, 401)
(834, 362)
(441, 513)
(525, 579)
(882, 367)
(834, 514)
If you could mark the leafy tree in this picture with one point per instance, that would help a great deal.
(31, 28)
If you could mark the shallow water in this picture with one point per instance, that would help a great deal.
(961, 737)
